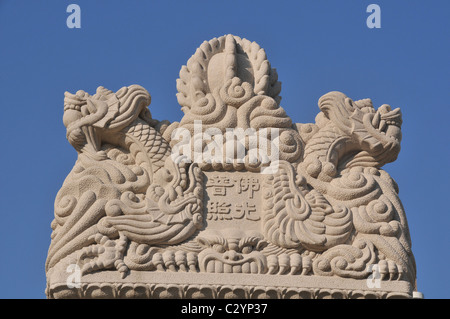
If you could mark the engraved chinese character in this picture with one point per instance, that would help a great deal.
(219, 210)
(246, 210)
(250, 184)
(219, 185)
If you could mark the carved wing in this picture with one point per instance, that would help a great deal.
(161, 219)
(295, 217)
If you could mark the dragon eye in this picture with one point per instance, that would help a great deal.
(247, 249)
(219, 248)
(167, 175)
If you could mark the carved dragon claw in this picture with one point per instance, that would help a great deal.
(105, 254)
(289, 264)
(389, 270)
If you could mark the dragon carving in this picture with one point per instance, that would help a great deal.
(124, 186)
(131, 204)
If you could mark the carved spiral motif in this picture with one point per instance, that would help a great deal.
(355, 184)
(206, 106)
(236, 93)
(346, 260)
(65, 206)
(291, 147)
(378, 217)
(121, 157)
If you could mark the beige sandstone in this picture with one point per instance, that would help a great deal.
(313, 215)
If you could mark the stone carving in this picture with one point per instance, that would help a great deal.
(233, 198)
(231, 251)
(148, 197)
(98, 290)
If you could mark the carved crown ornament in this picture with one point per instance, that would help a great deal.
(234, 200)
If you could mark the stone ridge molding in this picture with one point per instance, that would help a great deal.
(271, 208)
(227, 286)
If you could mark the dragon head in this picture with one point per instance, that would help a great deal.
(89, 118)
(231, 250)
(370, 137)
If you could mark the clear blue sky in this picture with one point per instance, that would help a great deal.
(316, 46)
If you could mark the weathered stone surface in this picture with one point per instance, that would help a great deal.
(233, 201)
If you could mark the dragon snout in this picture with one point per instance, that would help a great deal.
(72, 106)
(388, 122)
(232, 255)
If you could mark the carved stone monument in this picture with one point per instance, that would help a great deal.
(233, 201)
